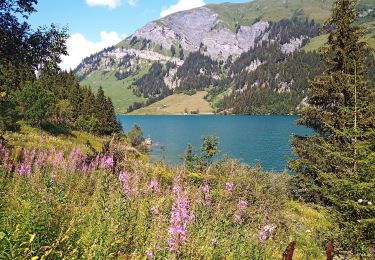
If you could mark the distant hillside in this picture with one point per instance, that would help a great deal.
(230, 50)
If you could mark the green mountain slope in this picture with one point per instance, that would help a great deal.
(220, 48)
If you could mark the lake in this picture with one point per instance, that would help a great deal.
(251, 139)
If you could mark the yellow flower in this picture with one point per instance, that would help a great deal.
(3, 94)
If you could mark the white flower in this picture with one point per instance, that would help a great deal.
(369, 203)
(360, 200)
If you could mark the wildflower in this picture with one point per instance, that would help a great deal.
(241, 210)
(180, 218)
(150, 254)
(207, 197)
(214, 241)
(266, 232)
(53, 175)
(155, 210)
(60, 155)
(262, 235)
(154, 186)
(107, 163)
(229, 186)
(124, 179)
(41, 159)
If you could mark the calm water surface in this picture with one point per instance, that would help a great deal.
(251, 139)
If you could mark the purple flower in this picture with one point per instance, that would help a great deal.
(155, 210)
(241, 210)
(154, 186)
(262, 235)
(229, 186)
(60, 155)
(150, 254)
(242, 205)
(180, 218)
(207, 197)
(124, 178)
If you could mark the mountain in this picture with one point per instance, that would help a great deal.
(252, 58)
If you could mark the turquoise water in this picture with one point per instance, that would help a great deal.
(251, 139)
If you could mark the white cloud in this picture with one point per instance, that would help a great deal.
(181, 6)
(108, 3)
(79, 47)
(132, 2)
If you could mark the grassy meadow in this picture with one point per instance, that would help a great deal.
(62, 198)
(178, 104)
(118, 90)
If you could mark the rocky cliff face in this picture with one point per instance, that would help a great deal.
(201, 28)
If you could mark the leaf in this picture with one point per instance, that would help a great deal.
(35, 258)
(32, 237)
(2, 235)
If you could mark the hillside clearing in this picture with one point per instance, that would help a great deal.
(176, 104)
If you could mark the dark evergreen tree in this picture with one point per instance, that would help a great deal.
(336, 166)
(34, 103)
(105, 113)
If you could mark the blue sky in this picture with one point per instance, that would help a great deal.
(95, 24)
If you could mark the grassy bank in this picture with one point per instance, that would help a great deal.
(178, 104)
(59, 200)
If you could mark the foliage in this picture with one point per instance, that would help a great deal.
(208, 150)
(335, 167)
(66, 204)
(136, 136)
(51, 97)
(34, 103)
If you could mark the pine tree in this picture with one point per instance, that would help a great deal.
(336, 166)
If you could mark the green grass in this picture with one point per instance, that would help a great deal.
(319, 41)
(176, 104)
(271, 10)
(118, 90)
(316, 43)
(57, 213)
(29, 137)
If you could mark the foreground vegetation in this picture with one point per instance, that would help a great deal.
(70, 201)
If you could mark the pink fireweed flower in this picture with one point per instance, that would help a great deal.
(106, 163)
(124, 178)
(180, 219)
(241, 210)
(60, 155)
(40, 159)
(155, 210)
(262, 235)
(154, 186)
(242, 205)
(229, 186)
(150, 254)
(207, 197)
(6, 164)
(53, 175)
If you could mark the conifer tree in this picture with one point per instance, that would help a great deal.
(336, 166)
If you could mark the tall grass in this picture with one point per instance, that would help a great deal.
(67, 204)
